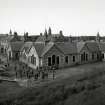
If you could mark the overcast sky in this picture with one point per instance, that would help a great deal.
(75, 17)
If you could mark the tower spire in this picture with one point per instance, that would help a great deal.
(98, 37)
(49, 31)
(10, 32)
(45, 33)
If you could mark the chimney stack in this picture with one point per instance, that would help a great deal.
(40, 34)
(70, 39)
(61, 33)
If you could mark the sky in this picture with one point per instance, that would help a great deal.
(73, 17)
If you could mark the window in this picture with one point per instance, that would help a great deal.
(86, 57)
(102, 56)
(92, 56)
(57, 59)
(5, 50)
(53, 60)
(33, 59)
(49, 61)
(66, 59)
(97, 56)
(73, 58)
(2, 50)
(81, 57)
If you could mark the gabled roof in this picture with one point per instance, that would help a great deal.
(39, 48)
(47, 48)
(52, 37)
(80, 45)
(41, 39)
(92, 46)
(6, 37)
(26, 46)
(101, 46)
(32, 38)
(16, 46)
(67, 47)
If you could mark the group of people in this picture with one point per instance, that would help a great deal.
(24, 71)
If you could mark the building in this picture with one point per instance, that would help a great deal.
(102, 49)
(60, 54)
(50, 37)
(24, 52)
(14, 50)
(88, 52)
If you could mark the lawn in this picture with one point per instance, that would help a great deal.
(9, 90)
(82, 85)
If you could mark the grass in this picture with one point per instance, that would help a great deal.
(9, 90)
(82, 89)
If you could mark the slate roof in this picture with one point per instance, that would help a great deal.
(39, 48)
(41, 39)
(32, 38)
(101, 46)
(9, 38)
(16, 46)
(26, 46)
(52, 37)
(92, 46)
(67, 47)
(47, 48)
(80, 45)
(5, 37)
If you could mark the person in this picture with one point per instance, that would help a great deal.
(15, 68)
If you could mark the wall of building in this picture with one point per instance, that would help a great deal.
(56, 52)
(62, 63)
(34, 53)
(70, 60)
(23, 57)
(85, 49)
(9, 53)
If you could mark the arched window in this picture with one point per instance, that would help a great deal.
(66, 59)
(57, 60)
(2, 50)
(33, 59)
(53, 59)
